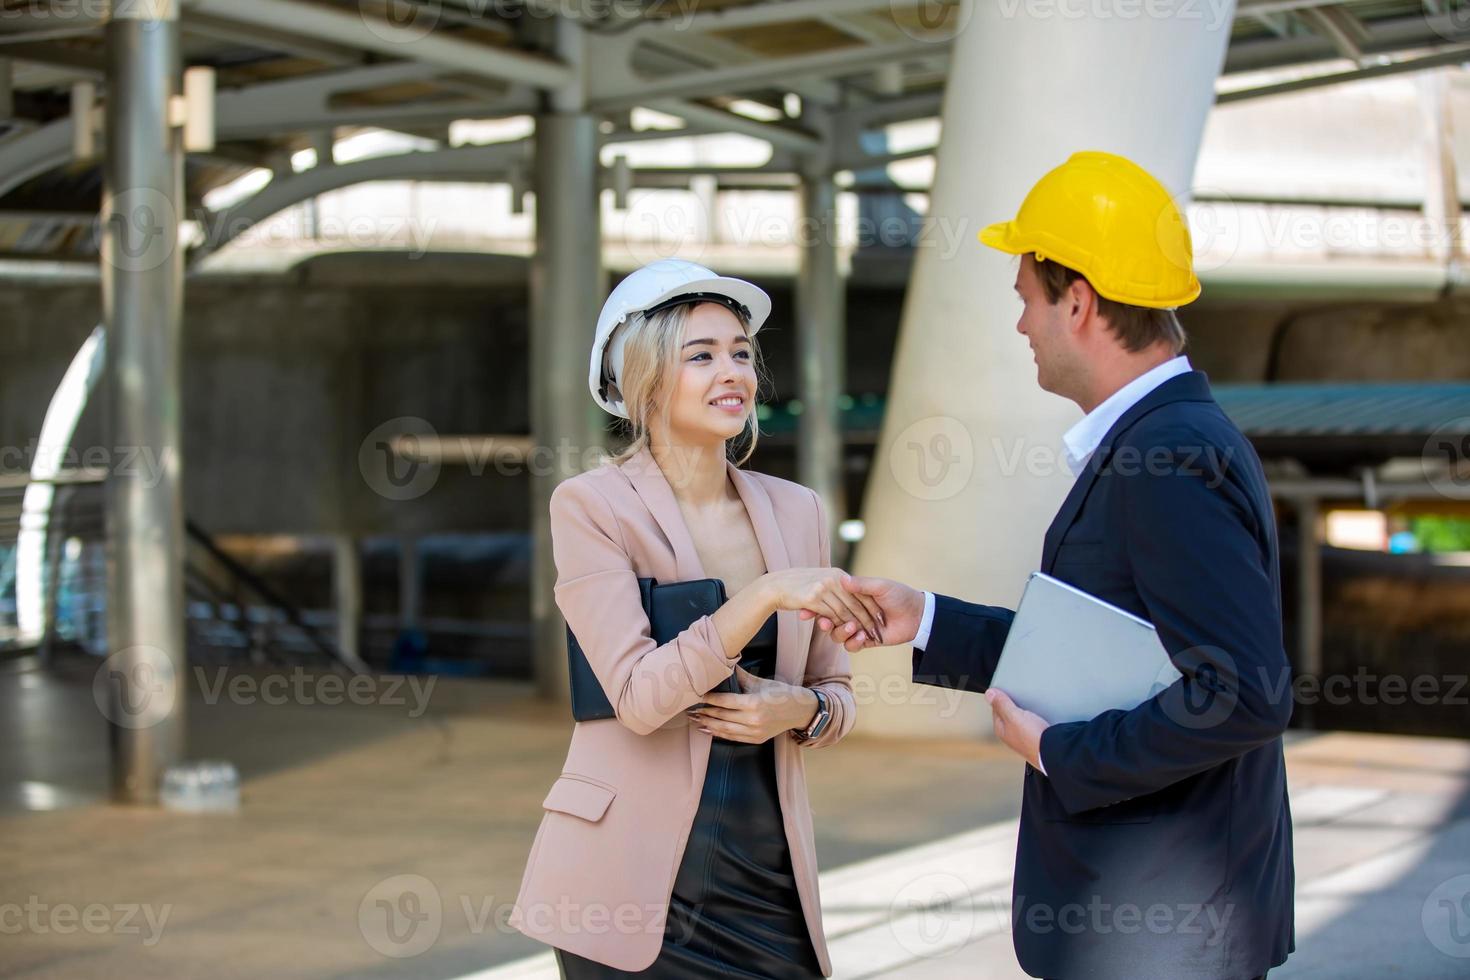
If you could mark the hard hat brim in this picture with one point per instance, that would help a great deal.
(1001, 236)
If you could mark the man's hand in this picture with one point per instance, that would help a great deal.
(902, 608)
(1017, 727)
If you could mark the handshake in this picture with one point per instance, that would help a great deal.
(857, 612)
(870, 612)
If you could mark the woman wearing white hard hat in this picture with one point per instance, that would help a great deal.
(678, 841)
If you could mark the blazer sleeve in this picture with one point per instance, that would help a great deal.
(1197, 563)
(965, 640)
(647, 684)
(828, 667)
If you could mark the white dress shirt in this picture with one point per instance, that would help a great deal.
(1081, 441)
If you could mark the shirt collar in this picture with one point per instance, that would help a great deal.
(1083, 438)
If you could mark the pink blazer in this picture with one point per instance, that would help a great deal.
(602, 866)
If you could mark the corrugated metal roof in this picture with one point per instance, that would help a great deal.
(1347, 409)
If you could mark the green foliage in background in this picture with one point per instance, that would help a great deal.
(1437, 534)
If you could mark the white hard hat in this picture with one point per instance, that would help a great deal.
(662, 283)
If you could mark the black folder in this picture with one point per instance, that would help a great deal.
(671, 609)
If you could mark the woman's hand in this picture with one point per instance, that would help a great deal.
(765, 708)
(819, 591)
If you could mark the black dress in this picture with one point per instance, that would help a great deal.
(734, 912)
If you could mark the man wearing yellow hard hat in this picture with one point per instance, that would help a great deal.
(1154, 841)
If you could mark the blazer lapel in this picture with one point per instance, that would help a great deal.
(773, 549)
(1191, 386)
(653, 489)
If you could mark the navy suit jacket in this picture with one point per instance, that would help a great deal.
(1159, 843)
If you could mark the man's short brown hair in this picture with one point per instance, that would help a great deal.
(1137, 327)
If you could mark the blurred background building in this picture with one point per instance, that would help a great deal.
(357, 233)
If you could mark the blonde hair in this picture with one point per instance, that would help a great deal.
(650, 362)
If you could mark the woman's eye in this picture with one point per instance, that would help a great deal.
(745, 354)
(699, 355)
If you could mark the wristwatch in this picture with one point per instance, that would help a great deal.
(819, 723)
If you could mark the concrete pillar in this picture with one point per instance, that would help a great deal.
(1308, 598)
(821, 347)
(566, 295)
(142, 689)
(969, 469)
(347, 597)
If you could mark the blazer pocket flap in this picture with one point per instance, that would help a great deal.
(580, 798)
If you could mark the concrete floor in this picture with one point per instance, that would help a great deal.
(337, 800)
(341, 801)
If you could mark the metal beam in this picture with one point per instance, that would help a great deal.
(328, 24)
(142, 299)
(623, 92)
(1382, 37)
(763, 14)
(1452, 57)
(1340, 27)
(721, 120)
(468, 163)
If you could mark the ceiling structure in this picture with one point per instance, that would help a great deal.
(809, 76)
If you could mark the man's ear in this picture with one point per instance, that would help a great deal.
(1081, 303)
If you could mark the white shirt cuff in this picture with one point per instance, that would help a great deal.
(926, 622)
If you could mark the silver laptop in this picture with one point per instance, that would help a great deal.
(1070, 656)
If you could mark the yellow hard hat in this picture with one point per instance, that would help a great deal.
(1109, 219)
